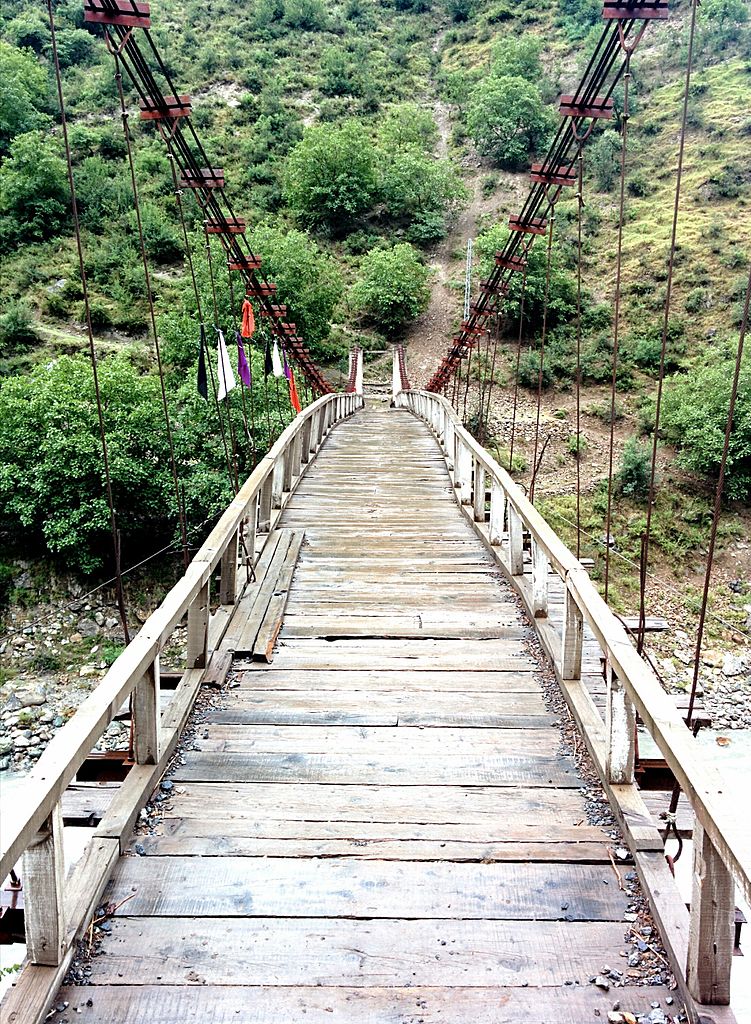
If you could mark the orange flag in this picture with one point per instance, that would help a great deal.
(294, 400)
(249, 321)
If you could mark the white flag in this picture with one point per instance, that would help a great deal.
(224, 375)
(276, 361)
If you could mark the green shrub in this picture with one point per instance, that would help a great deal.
(529, 371)
(696, 300)
(507, 120)
(634, 471)
(17, 332)
(392, 288)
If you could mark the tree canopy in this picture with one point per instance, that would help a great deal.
(393, 287)
(507, 120)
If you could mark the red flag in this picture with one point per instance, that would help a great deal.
(294, 400)
(249, 321)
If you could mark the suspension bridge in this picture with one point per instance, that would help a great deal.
(395, 779)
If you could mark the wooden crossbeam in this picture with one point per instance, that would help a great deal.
(126, 13)
(276, 310)
(529, 226)
(510, 262)
(560, 175)
(246, 263)
(226, 226)
(569, 106)
(206, 177)
(165, 108)
(623, 10)
(260, 289)
(494, 288)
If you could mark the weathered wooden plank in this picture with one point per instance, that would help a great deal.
(224, 887)
(271, 623)
(355, 953)
(155, 1004)
(513, 680)
(423, 804)
(487, 769)
(380, 849)
(247, 639)
(344, 740)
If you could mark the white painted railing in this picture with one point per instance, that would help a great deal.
(55, 908)
(510, 525)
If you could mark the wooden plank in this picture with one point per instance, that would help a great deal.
(245, 606)
(345, 740)
(515, 680)
(380, 769)
(272, 620)
(410, 704)
(154, 1004)
(246, 639)
(422, 804)
(223, 887)
(381, 849)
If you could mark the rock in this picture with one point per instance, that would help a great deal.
(683, 656)
(4, 764)
(712, 658)
(21, 743)
(99, 619)
(167, 786)
(75, 638)
(87, 628)
(31, 698)
(6, 746)
(111, 622)
(733, 665)
(58, 722)
(88, 670)
(12, 703)
(602, 982)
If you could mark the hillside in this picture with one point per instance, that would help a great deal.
(351, 136)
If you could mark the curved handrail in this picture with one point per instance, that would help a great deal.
(511, 516)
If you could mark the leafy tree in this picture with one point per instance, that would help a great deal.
(330, 176)
(407, 126)
(34, 187)
(518, 56)
(23, 96)
(694, 414)
(306, 278)
(415, 185)
(16, 328)
(459, 10)
(393, 287)
(507, 120)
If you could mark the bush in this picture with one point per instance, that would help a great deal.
(23, 97)
(34, 187)
(638, 184)
(696, 300)
(633, 474)
(519, 56)
(17, 331)
(694, 415)
(529, 371)
(507, 120)
(330, 178)
(604, 159)
(393, 287)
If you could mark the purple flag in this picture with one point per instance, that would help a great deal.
(242, 363)
(287, 371)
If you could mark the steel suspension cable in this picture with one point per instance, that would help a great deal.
(120, 597)
(629, 49)
(217, 328)
(541, 366)
(150, 298)
(516, 368)
(666, 320)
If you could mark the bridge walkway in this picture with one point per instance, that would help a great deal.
(381, 825)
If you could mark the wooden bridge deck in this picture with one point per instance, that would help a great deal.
(379, 826)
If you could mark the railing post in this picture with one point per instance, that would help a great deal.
(277, 480)
(264, 506)
(227, 580)
(478, 492)
(620, 725)
(146, 716)
(359, 373)
(198, 629)
(305, 441)
(43, 873)
(712, 925)
(292, 462)
(515, 542)
(497, 512)
(463, 471)
(571, 639)
(540, 568)
(449, 440)
(250, 528)
(396, 377)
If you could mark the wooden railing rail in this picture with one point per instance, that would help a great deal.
(511, 524)
(32, 827)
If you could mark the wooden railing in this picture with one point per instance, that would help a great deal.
(722, 834)
(56, 907)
